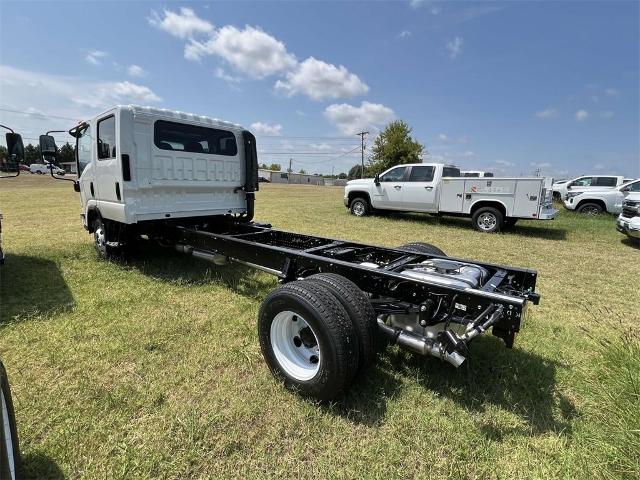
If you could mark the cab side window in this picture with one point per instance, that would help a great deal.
(583, 182)
(605, 182)
(634, 187)
(107, 138)
(394, 175)
(421, 174)
(84, 150)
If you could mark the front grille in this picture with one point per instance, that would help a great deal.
(628, 212)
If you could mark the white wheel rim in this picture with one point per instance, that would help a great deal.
(295, 346)
(101, 241)
(487, 221)
(358, 209)
(8, 439)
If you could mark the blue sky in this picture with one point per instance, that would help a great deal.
(509, 87)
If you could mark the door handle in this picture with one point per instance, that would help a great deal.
(428, 188)
(459, 195)
(397, 187)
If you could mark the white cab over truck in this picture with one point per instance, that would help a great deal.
(187, 182)
(438, 189)
(594, 202)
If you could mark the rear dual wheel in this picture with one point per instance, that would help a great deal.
(316, 334)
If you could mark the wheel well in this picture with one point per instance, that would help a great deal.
(596, 201)
(92, 214)
(364, 195)
(488, 203)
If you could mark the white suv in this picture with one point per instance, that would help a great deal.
(629, 220)
(43, 169)
(594, 202)
(588, 182)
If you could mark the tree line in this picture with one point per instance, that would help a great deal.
(66, 153)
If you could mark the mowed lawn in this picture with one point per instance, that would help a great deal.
(151, 368)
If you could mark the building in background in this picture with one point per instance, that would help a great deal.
(273, 176)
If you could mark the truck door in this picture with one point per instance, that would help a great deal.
(419, 191)
(388, 194)
(107, 171)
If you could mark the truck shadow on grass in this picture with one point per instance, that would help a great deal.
(512, 380)
(167, 265)
(37, 465)
(32, 286)
(524, 229)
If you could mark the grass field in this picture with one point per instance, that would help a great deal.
(152, 368)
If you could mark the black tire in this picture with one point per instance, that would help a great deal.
(359, 207)
(337, 357)
(510, 221)
(590, 209)
(100, 243)
(422, 247)
(360, 311)
(10, 460)
(487, 220)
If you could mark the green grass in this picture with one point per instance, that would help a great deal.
(152, 369)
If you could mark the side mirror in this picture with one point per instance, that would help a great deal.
(626, 189)
(569, 186)
(15, 147)
(48, 149)
(376, 179)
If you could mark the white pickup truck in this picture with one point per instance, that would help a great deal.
(594, 202)
(629, 219)
(587, 182)
(437, 188)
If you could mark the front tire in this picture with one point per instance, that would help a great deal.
(9, 450)
(307, 340)
(359, 207)
(487, 220)
(104, 249)
(590, 209)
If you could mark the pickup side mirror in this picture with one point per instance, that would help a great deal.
(626, 189)
(15, 155)
(376, 179)
(569, 186)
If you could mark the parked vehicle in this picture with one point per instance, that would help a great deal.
(24, 168)
(588, 182)
(594, 202)
(45, 168)
(629, 219)
(189, 183)
(475, 173)
(438, 189)
(264, 180)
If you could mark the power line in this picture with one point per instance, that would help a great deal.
(40, 115)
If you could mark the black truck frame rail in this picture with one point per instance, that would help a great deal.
(500, 302)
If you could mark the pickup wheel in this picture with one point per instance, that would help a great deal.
(308, 340)
(9, 450)
(100, 243)
(487, 219)
(359, 207)
(360, 311)
(421, 247)
(590, 209)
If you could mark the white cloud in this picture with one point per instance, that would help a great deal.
(541, 165)
(443, 137)
(223, 75)
(250, 51)
(404, 34)
(454, 47)
(612, 92)
(320, 146)
(136, 71)
(350, 119)
(320, 80)
(504, 163)
(265, 129)
(468, 153)
(183, 25)
(548, 113)
(94, 57)
(106, 94)
(416, 3)
(607, 114)
(582, 115)
(598, 167)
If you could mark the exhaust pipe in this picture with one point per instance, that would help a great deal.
(419, 344)
(216, 258)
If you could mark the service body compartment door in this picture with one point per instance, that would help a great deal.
(527, 198)
(451, 195)
(491, 189)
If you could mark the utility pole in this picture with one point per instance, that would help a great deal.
(290, 171)
(362, 134)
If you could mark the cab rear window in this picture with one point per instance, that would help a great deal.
(194, 139)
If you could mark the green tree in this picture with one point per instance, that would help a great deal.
(276, 167)
(394, 146)
(302, 172)
(342, 175)
(31, 154)
(264, 166)
(67, 153)
(354, 172)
